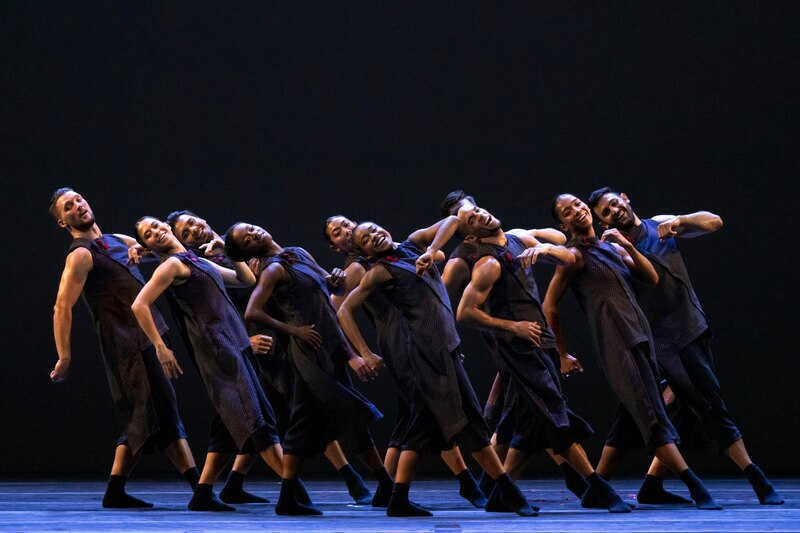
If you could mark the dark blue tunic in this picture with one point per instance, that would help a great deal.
(680, 335)
(223, 355)
(306, 301)
(143, 396)
(440, 376)
(621, 338)
(515, 297)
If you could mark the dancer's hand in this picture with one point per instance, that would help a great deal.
(307, 336)
(336, 280)
(256, 265)
(669, 228)
(167, 359)
(570, 365)
(215, 247)
(135, 253)
(360, 368)
(373, 361)
(261, 344)
(424, 262)
(530, 331)
(60, 371)
(529, 256)
(615, 236)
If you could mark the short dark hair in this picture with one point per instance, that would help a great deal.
(56, 195)
(451, 200)
(136, 230)
(594, 198)
(173, 217)
(233, 249)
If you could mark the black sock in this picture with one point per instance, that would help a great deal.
(652, 491)
(355, 485)
(204, 499)
(574, 481)
(702, 498)
(512, 497)
(288, 504)
(385, 488)
(399, 505)
(469, 489)
(606, 496)
(761, 485)
(116, 497)
(302, 494)
(233, 491)
(192, 476)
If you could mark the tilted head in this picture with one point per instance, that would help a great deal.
(71, 210)
(453, 202)
(613, 209)
(189, 228)
(371, 240)
(573, 214)
(244, 241)
(339, 233)
(476, 221)
(154, 234)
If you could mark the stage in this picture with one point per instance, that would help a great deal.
(75, 506)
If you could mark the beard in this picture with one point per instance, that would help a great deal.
(85, 226)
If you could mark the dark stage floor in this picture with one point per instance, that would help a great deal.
(75, 506)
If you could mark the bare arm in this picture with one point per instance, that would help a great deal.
(166, 273)
(240, 276)
(455, 276)
(79, 264)
(550, 235)
(555, 291)
(371, 281)
(354, 272)
(550, 253)
(433, 237)
(484, 275)
(640, 266)
(690, 225)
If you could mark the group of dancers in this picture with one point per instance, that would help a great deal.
(272, 335)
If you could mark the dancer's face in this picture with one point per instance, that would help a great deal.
(254, 240)
(573, 213)
(156, 235)
(74, 212)
(372, 239)
(193, 231)
(474, 220)
(614, 211)
(339, 231)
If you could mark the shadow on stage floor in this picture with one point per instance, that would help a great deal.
(75, 506)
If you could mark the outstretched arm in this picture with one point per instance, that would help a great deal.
(240, 276)
(550, 253)
(79, 264)
(432, 239)
(555, 291)
(163, 277)
(484, 275)
(550, 235)
(691, 225)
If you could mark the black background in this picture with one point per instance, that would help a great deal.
(284, 114)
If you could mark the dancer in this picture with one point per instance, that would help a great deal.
(97, 266)
(325, 404)
(219, 341)
(275, 375)
(681, 334)
(394, 341)
(499, 411)
(600, 278)
(502, 297)
(449, 401)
